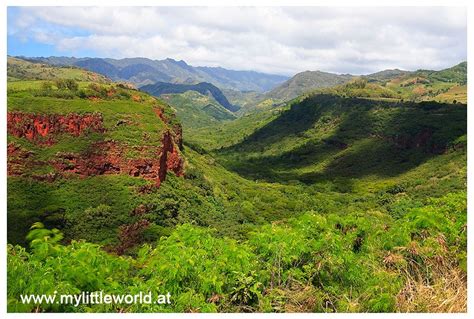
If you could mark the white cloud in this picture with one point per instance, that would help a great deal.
(277, 39)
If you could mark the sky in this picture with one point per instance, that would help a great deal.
(279, 40)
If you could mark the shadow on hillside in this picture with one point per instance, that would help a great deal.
(374, 138)
(22, 197)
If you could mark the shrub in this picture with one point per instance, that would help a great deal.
(348, 262)
(96, 224)
(60, 84)
(46, 86)
(71, 84)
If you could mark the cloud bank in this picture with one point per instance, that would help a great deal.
(282, 40)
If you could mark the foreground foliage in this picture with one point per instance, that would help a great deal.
(325, 263)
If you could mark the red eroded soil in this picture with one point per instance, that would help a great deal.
(109, 158)
(41, 128)
(105, 157)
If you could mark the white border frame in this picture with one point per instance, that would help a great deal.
(339, 3)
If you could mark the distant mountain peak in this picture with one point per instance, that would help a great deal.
(170, 70)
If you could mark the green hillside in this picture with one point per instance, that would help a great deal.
(160, 88)
(195, 110)
(455, 74)
(77, 146)
(325, 137)
(448, 86)
(304, 82)
(18, 69)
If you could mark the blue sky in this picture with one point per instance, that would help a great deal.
(267, 39)
(22, 43)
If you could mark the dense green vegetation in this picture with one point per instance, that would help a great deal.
(343, 200)
(195, 110)
(325, 137)
(338, 262)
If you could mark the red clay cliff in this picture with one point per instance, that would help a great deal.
(105, 157)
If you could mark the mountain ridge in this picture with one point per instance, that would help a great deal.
(307, 81)
(204, 88)
(176, 72)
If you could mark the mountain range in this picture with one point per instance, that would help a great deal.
(306, 81)
(250, 90)
(143, 71)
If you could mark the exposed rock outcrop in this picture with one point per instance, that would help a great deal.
(109, 158)
(41, 128)
(105, 157)
(178, 135)
(170, 158)
(17, 159)
(161, 114)
(177, 129)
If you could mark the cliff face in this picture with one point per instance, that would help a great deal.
(105, 157)
(170, 158)
(109, 158)
(177, 129)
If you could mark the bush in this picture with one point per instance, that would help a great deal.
(96, 224)
(71, 84)
(60, 84)
(46, 86)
